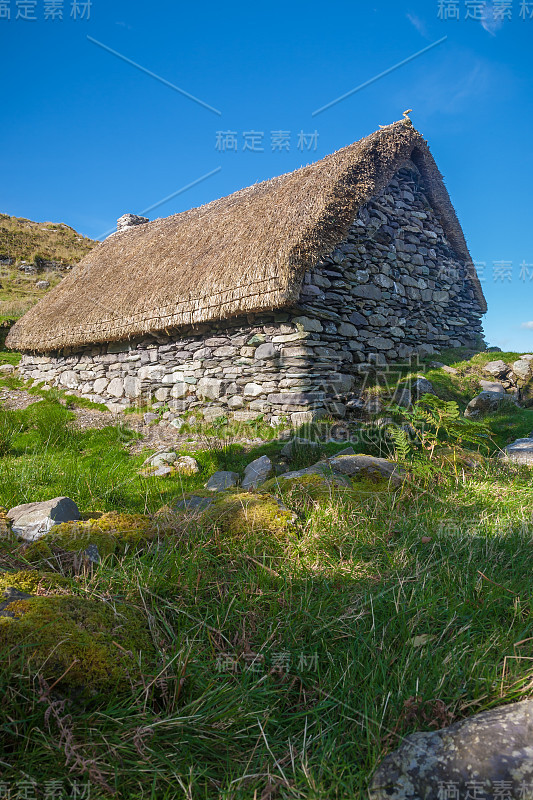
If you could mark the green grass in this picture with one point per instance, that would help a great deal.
(288, 664)
(329, 614)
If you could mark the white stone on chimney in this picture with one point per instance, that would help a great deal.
(129, 221)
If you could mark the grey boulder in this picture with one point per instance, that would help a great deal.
(492, 386)
(32, 520)
(403, 397)
(523, 369)
(485, 403)
(257, 472)
(421, 386)
(520, 451)
(367, 465)
(498, 369)
(475, 757)
(193, 503)
(222, 480)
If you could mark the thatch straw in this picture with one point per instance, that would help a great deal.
(240, 254)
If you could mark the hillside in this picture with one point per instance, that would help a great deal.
(47, 249)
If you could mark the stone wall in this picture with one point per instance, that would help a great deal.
(394, 287)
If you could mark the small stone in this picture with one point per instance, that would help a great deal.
(91, 551)
(179, 390)
(116, 388)
(7, 369)
(158, 472)
(211, 413)
(42, 285)
(115, 408)
(177, 423)
(210, 388)
(348, 451)
(150, 417)
(236, 401)
(246, 416)
(403, 397)
(348, 330)
(265, 351)
(10, 595)
(132, 387)
(253, 390)
(380, 343)
(100, 385)
(222, 480)
(257, 472)
(358, 320)
(368, 291)
(187, 465)
(308, 324)
(168, 457)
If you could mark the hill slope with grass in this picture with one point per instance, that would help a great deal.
(47, 248)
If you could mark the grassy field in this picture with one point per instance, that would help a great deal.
(287, 662)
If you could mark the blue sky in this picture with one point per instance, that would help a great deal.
(88, 136)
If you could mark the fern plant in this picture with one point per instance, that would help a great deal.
(430, 426)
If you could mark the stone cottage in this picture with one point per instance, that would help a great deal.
(270, 301)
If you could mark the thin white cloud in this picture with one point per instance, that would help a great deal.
(528, 325)
(439, 90)
(419, 24)
(491, 21)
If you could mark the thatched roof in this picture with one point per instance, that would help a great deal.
(243, 253)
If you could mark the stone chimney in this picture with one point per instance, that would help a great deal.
(129, 221)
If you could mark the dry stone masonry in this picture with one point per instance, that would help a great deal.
(392, 288)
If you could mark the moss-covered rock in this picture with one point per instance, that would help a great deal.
(90, 644)
(312, 486)
(460, 458)
(323, 488)
(244, 512)
(33, 581)
(110, 533)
